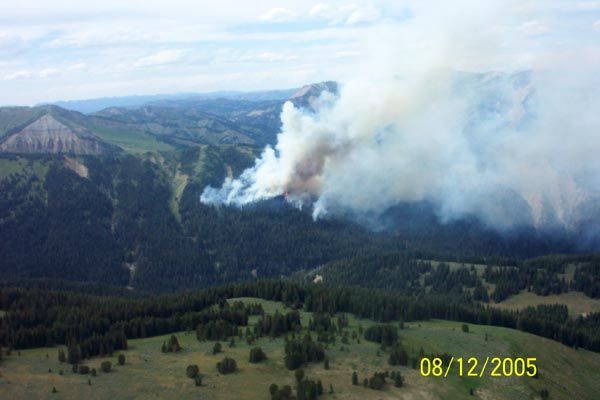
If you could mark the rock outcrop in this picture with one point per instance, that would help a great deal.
(50, 136)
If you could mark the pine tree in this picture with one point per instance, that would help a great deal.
(73, 353)
(173, 344)
(257, 355)
(192, 371)
(61, 356)
(398, 381)
(105, 366)
(226, 366)
(354, 378)
(273, 389)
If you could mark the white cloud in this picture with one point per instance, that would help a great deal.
(366, 14)
(535, 28)
(104, 42)
(588, 5)
(277, 15)
(48, 72)
(28, 74)
(346, 54)
(597, 25)
(321, 10)
(23, 74)
(275, 57)
(351, 14)
(77, 66)
(162, 57)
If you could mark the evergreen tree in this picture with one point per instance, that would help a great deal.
(192, 371)
(398, 381)
(74, 353)
(273, 389)
(105, 366)
(226, 366)
(61, 356)
(257, 355)
(173, 344)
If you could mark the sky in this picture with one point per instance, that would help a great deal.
(54, 50)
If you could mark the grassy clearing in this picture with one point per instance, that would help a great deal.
(180, 181)
(150, 374)
(8, 167)
(577, 302)
(131, 141)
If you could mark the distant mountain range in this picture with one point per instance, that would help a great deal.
(92, 105)
(179, 120)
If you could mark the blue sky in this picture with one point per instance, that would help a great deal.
(70, 49)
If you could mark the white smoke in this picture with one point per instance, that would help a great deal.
(509, 147)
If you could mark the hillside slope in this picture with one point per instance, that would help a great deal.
(150, 374)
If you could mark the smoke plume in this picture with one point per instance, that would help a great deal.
(422, 119)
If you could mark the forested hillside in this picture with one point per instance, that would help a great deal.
(136, 220)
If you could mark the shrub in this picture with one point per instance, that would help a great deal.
(173, 344)
(217, 348)
(121, 359)
(226, 366)
(192, 371)
(257, 355)
(377, 381)
(83, 369)
(105, 366)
